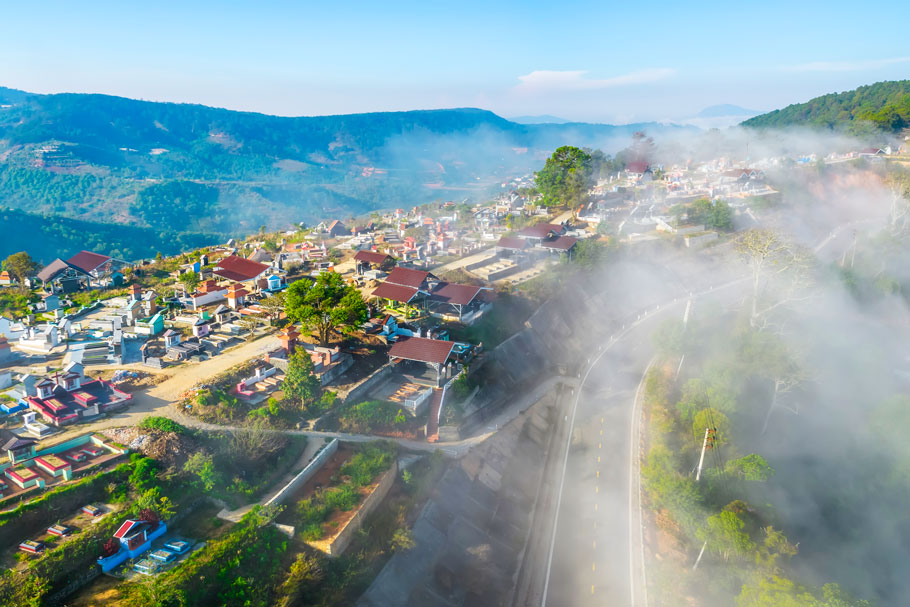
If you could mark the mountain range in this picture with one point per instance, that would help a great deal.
(170, 168)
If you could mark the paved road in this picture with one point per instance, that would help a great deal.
(597, 557)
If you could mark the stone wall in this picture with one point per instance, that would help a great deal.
(344, 537)
(304, 475)
(368, 383)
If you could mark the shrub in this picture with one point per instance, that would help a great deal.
(342, 498)
(312, 532)
(163, 424)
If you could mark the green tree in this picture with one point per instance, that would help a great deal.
(189, 280)
(725, 535)
(566, 177)
(324, 305)
(402, 540)
(20, 265)
(750, 467)
(300, 382)
(711, 418)
(144, 473)
(203, 466)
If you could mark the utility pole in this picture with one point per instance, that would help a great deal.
(707, 444)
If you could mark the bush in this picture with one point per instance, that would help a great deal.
(342, 498)
(313, 531)
(163, 424)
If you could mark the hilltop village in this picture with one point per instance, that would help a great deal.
(288, 385)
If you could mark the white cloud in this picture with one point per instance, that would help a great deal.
(576, 80)
(845, 66)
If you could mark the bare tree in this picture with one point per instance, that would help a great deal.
(780, 273)
(257, 441)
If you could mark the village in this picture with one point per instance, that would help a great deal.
(300, 377)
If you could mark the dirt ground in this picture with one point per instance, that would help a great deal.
(157, 400)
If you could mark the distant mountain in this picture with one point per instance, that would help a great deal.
(177, 168)
(542, 119)
(725, 109)
(883, 107)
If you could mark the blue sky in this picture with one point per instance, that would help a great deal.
(597, 61)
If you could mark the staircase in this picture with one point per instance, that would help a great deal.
(433, 421)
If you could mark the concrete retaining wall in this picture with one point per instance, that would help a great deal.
(481, 263)
(306, 474)
(344, 537)
(374, 379)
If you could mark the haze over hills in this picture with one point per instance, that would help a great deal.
(176, 168)
(725, 109)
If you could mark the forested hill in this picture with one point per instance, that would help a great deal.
(883, 107)
(47, 237)
(189, 168)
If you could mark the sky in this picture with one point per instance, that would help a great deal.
(587, 61)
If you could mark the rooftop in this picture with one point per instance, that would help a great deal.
(395, 292)
(454, 293)
(422, 349)
(541, 230)
(407, 277)
(371, 257)
(88, 261)
(237, 268)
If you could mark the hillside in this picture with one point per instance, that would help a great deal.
(48, 237)
(883, 107)
(179, 167)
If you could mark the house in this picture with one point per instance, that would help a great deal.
(436, 354)
(60, 275)
(17, 448)
(150, 326)
(68, 398)
(336, 228)
(134, 538)
(171, 338)
(207, 293)
(564, 245)
(201, 327)
(463, 303)
(261, 256)
(236, 296)
(5, 278)
(541, 231)
(512, 245)
(239, 269)
(102, 269)
(366, 260)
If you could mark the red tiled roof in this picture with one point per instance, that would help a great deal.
(455, 294)
(237, 268)
(422, 349)
(371, 257)
(563, 243)
(510, 242)
(88, 261)
(540, 230)
(407, 277)
(395, 292)
(125, 528)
